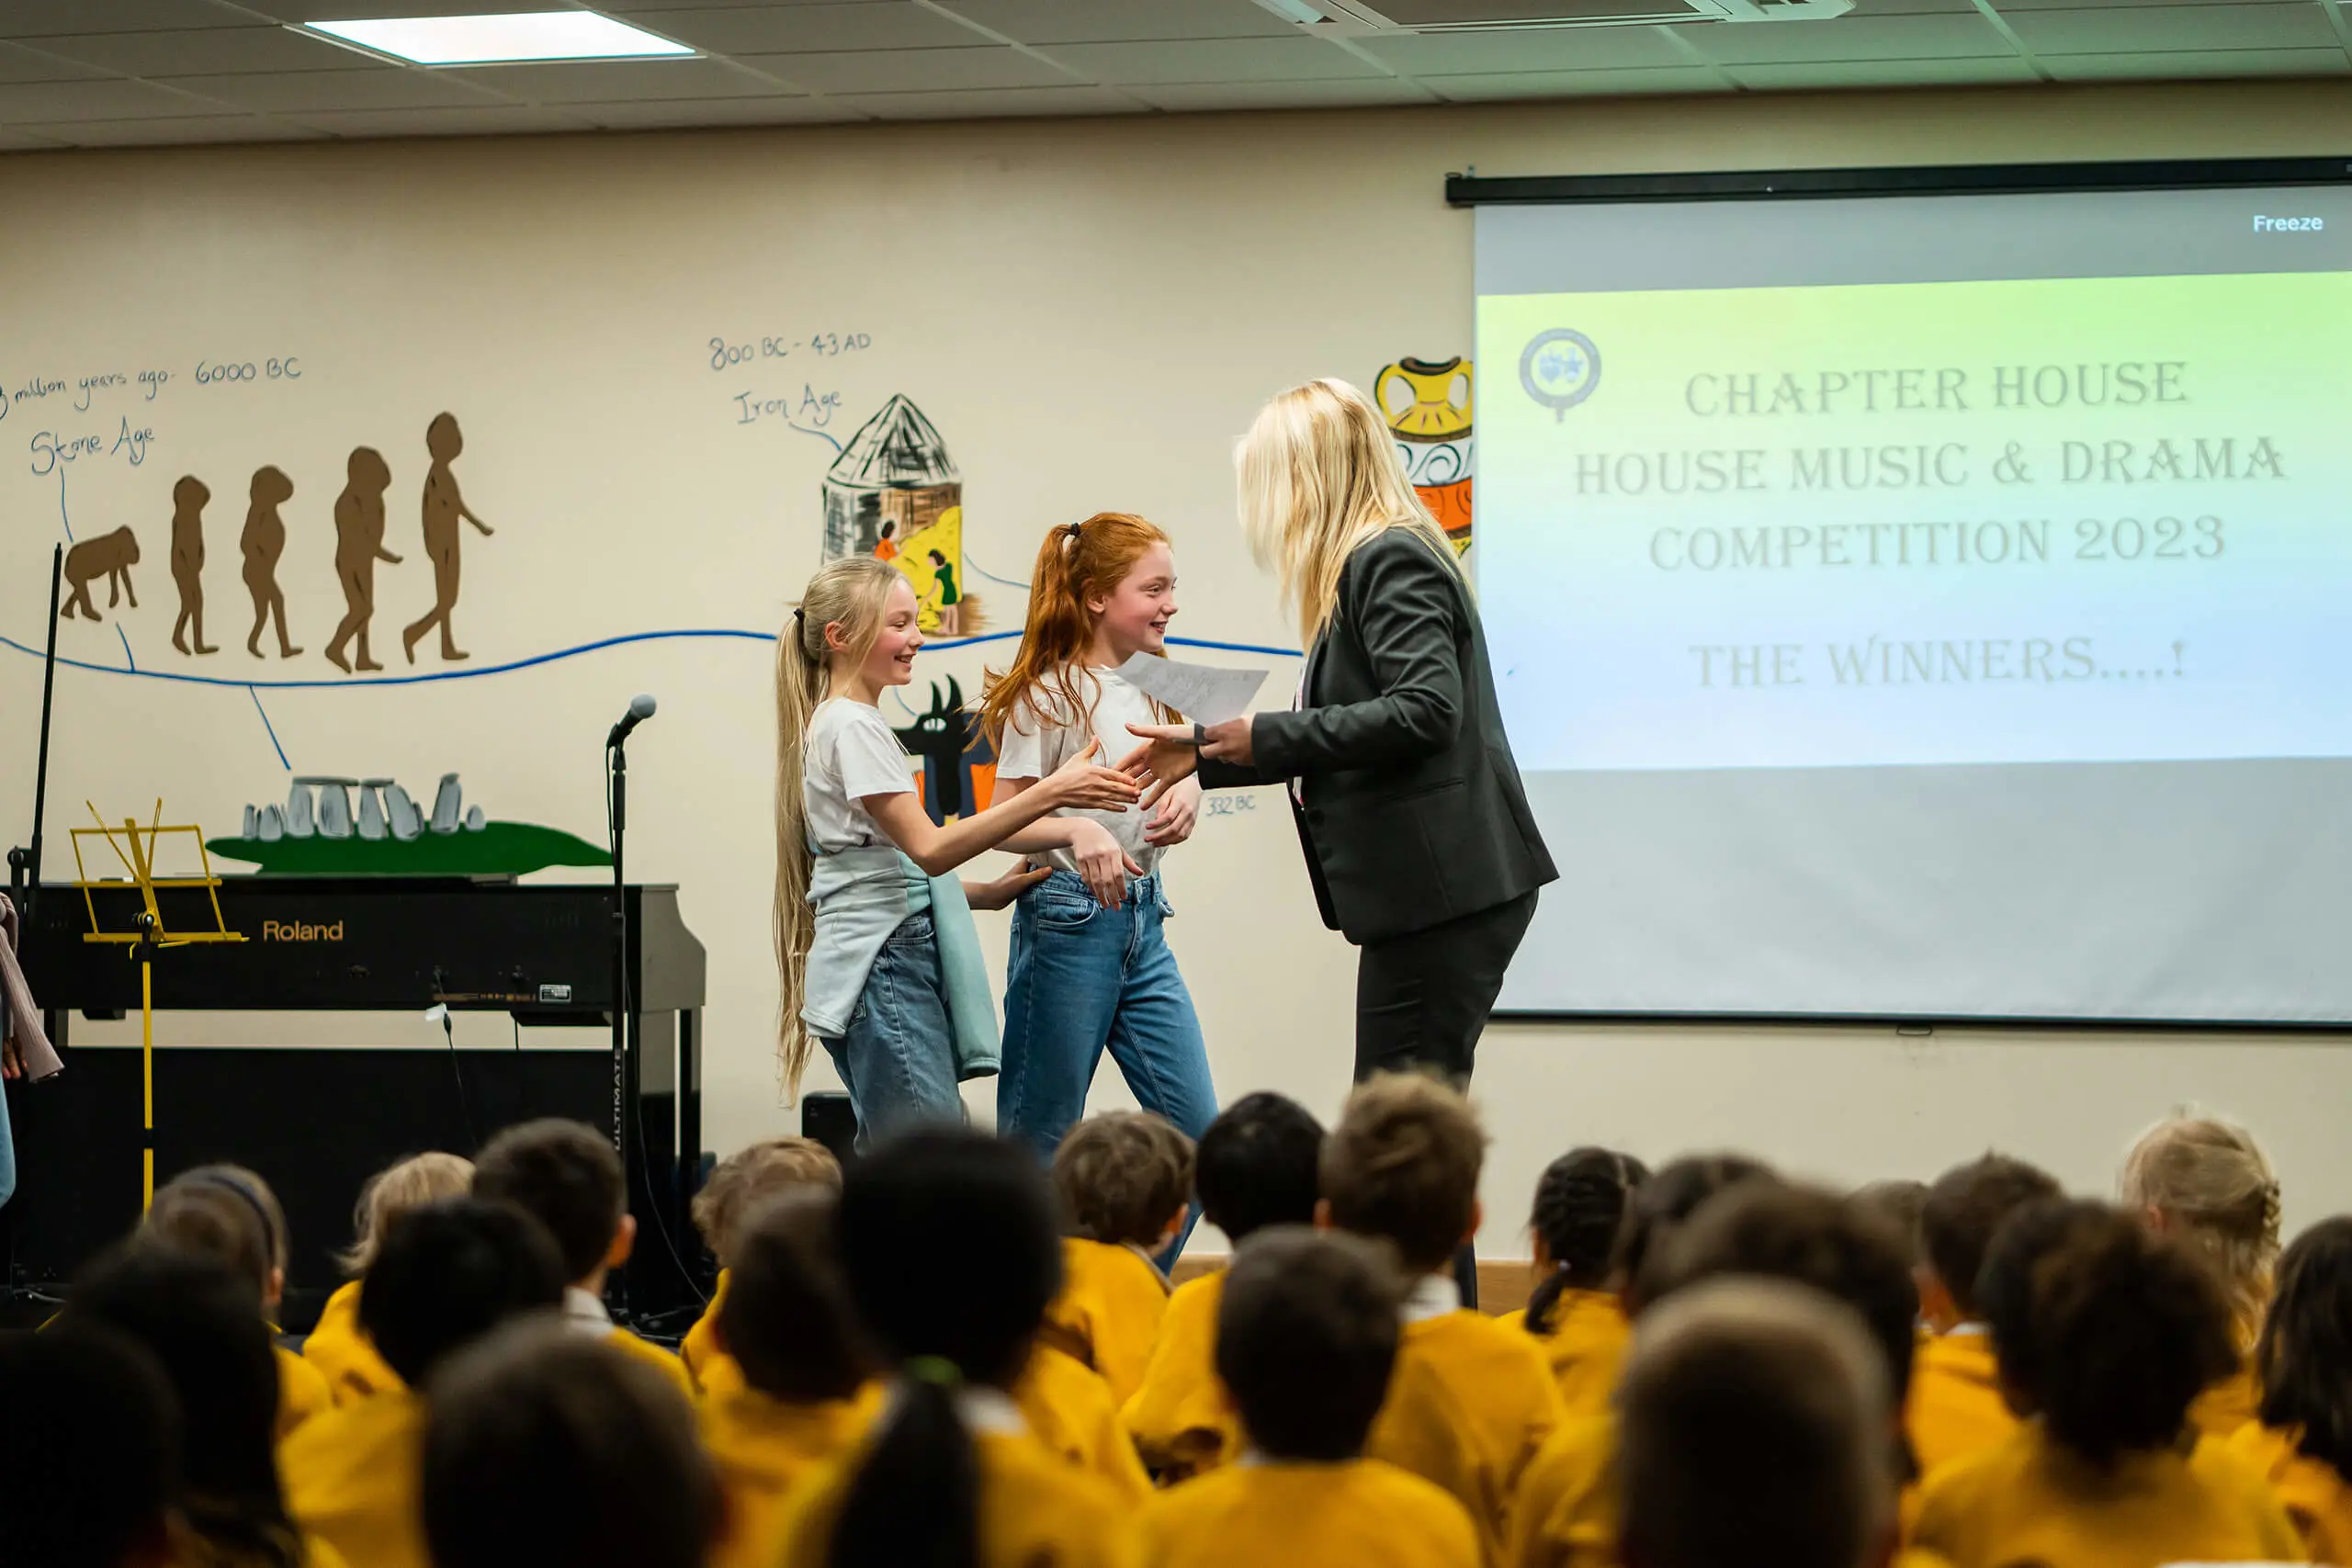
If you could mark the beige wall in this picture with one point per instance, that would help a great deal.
(1089, 311)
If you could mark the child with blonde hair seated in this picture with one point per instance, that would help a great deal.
(2207, 1184)
(1124, 1178)
(2303, 1363)
(1956, 1404)
(337, 1346)
(1307, 1335)
(1471, 1401)
(1580, 1205)
(742, 1182)
(2106, 1332)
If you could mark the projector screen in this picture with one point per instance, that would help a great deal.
(1926, 606)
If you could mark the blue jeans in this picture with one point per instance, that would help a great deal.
(897, 1059)
(1084, 977)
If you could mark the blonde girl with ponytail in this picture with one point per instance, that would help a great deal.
(872, 933)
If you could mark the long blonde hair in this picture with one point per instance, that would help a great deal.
(849, 593)
(2214, 1187)
(394, 1191)
(1316, 476)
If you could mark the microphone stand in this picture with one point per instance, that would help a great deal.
(617, 796)
(24, 860)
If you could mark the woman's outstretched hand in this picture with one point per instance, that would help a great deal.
(1169, 754)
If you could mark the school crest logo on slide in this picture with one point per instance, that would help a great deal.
(1559, 368)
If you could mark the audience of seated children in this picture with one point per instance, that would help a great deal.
(335, 1345)
(200, 1319)
(2303, 1363)
(89, 1451)
(1307, 1335)
(567, 1175)
(1256, 1166)
(2207, 1184)
(1124, 1178)
(1580, 1205)
(1568, 1512)
(444, 1275)
(1898, 1201)
(228, 1214)
(785, 1331)
(1069, 1411)
(740, 1183)
(1957, 1406)
(546, 1447)
(1753, 1431)
(2106, 1332)
(949, 1473)
(1471, 1401)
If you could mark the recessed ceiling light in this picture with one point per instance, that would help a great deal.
(487, 40)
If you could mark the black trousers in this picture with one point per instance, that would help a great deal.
(1421, 1003)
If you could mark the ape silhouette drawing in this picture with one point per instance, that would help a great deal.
(188, 497)
(358, 546)
(444, 509)
(262, 542)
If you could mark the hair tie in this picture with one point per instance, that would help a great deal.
(937, 1370)
(800, 616)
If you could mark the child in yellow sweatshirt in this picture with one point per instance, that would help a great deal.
(1307, 1337)
(546, 1447)
(2106, 1334)
(1124, 1178)
(228, 1212)
(2302, 1442)
(742, 1182)
(1255, 1168)
(567, 1175)
(335, 1345)
(1470, 1401)
(1580, 1204)
(1956, 1406)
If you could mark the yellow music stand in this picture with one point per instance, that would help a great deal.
(140, 861)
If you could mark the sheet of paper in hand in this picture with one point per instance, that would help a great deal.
(1203, 694)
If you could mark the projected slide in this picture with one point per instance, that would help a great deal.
(1927, 605)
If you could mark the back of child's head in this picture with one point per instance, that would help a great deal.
(2208, 1183)
(392, 1191)
(563, 1174)
(1898, 1201)
(1256, 1166)
(1122, 1175)
(200, 1317)
(1306, 1338)
(2105, 1330)
(2304, 1361)
(89, 1451)
(1752, 1433)
(227, 1212)
(1810, 1237)
(448, 1273)
(926, 1206)
(546, 1446)
(1048, 683)
(1965, 1209)
(1402, 1166)
(1579, 1206)
(786, 1317)
(752, 1175)
(1665, 1201)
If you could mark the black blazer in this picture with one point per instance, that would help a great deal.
(1409, 805)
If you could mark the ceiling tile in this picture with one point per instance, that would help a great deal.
(996, 104)
(223, 127)
(17, 139)
(912, 70)
(304, 92)
(2145, 29)
(1120, 21)
(810, 30)
(37, 103)
(493, 120)
(18, 64)
(1577, 84)
(619, 81)
(1911, 7)
(207, 52)
(1840, 73)
(799, 109)
(39, 18)
(1343, 93)
(1553, 49)
(1229, 60)
(2177, 65)
(359, 10)
(1848, 38)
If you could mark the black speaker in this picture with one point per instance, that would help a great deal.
(826, 1116)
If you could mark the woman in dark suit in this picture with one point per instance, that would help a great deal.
(1418, 834)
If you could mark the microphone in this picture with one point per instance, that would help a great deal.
(641, 708)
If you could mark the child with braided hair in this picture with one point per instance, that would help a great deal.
(1580, 1204)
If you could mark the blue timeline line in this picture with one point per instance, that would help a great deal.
(269, 727)
(719, 633)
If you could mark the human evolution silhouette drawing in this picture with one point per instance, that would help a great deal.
(361, 525)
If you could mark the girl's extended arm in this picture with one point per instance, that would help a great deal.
(1078, 783)
(1101, 862)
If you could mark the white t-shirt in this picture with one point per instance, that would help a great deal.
(849, 752)
(1031, 751)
